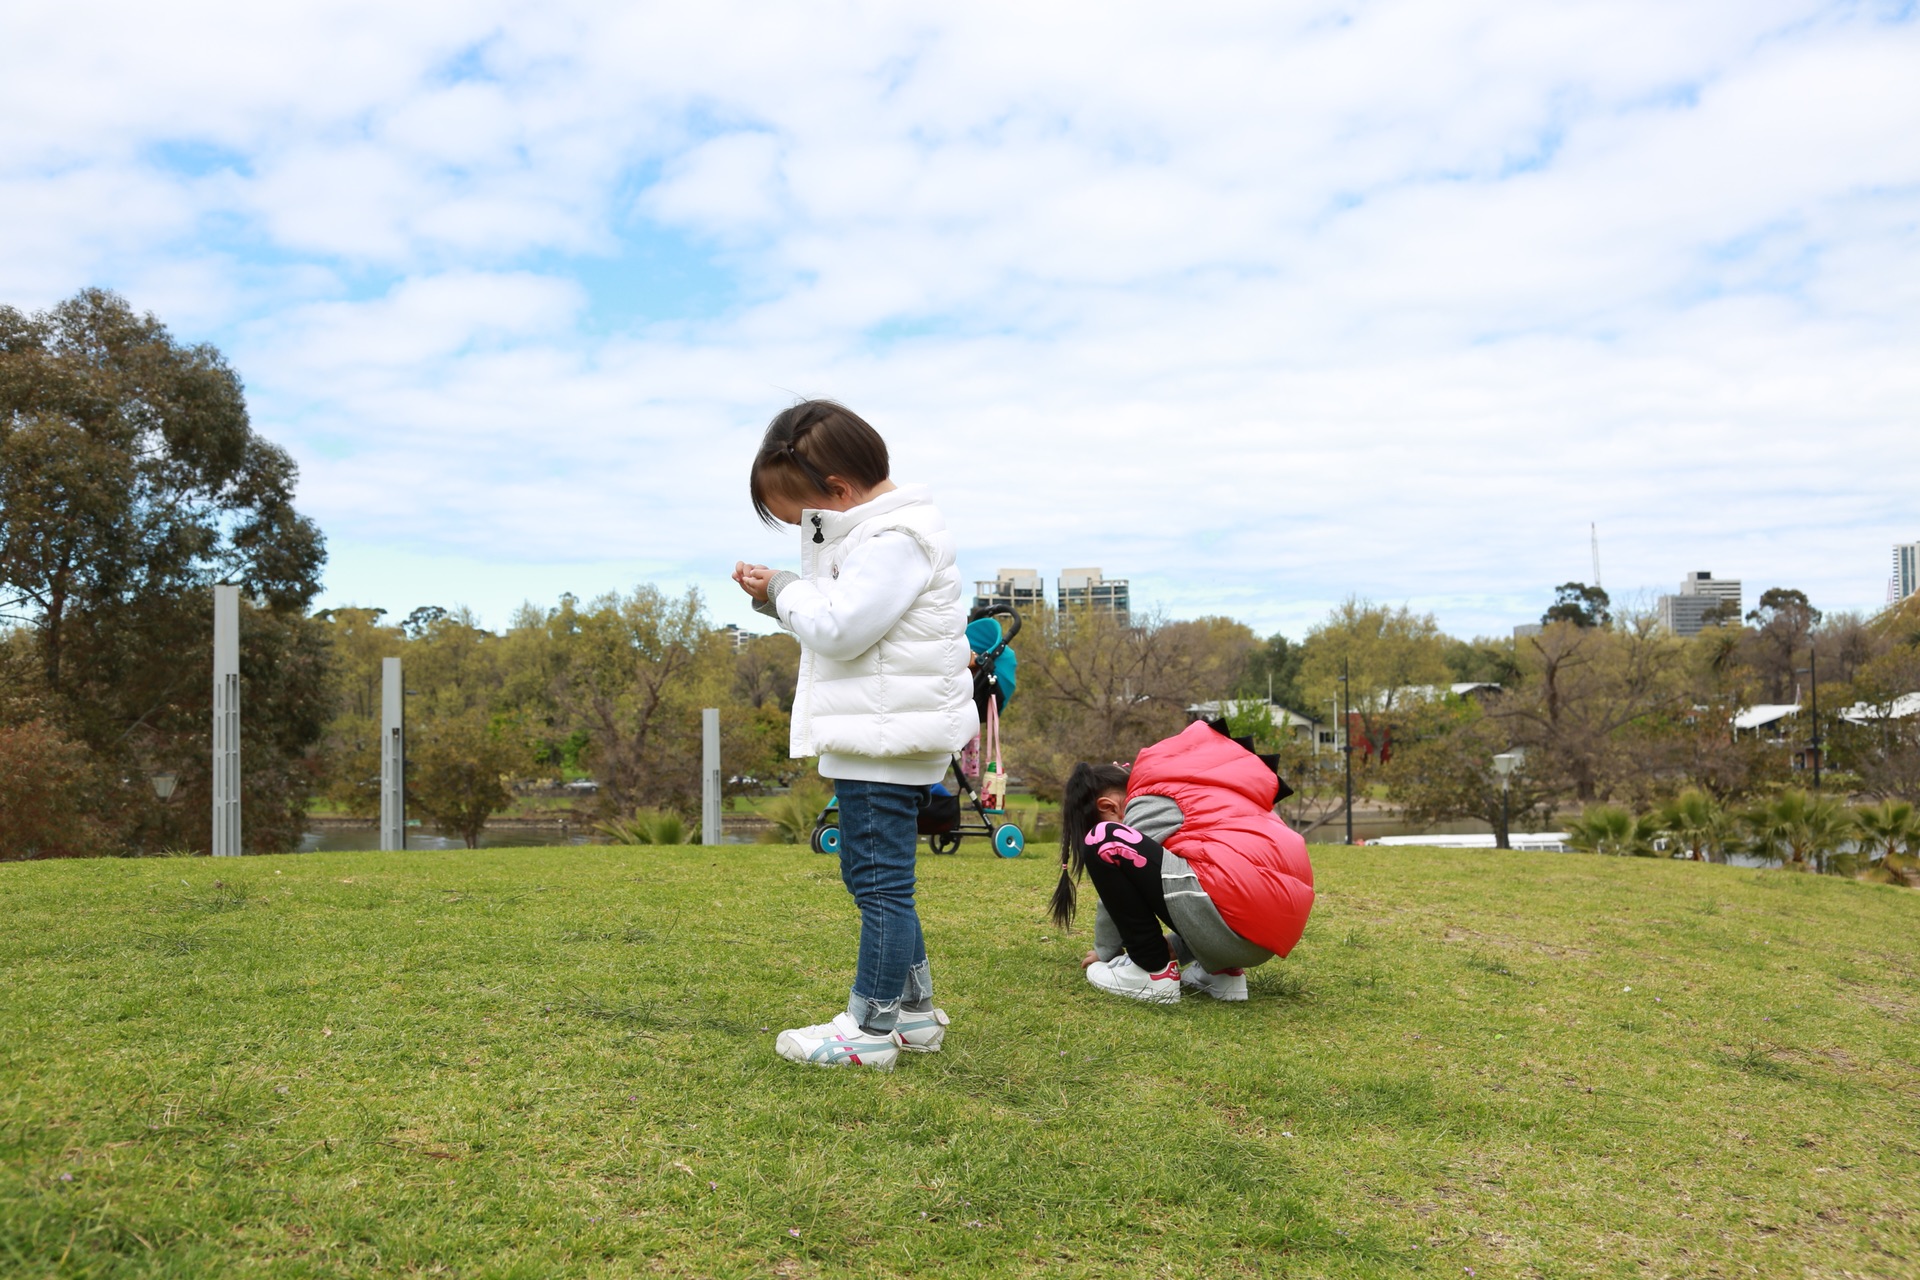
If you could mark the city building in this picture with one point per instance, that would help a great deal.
(1021, 590)
(1701, 598)
(737, 638)
(1906, 571)
(1522, 630)
(1089, 589)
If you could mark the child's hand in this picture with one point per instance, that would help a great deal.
(1089, 959)
(753, 579)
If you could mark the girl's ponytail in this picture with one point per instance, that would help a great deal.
(1079, 814)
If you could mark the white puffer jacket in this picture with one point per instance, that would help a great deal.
(896, 707)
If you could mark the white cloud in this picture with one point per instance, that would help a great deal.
(1259, 304)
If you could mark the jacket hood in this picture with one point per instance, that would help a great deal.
(1202, 756)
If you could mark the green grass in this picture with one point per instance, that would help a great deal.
(558, 1062)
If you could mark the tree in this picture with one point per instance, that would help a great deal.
(1094, 686)
(633, 672)
(1442, 768)
(1610, 829)
(1584, 686)
(45, 782)
(1578, 604)
(1804, 831)
(130, 483)
(1273, 672)
(457, 772)
(1391, 656)
(1783, 626)
(128, 469)
(766, 669)
(1695, 822)
(1889, 837)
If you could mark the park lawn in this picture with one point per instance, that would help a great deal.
(558, 1062)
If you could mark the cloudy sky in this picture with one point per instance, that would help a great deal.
(1256, 305)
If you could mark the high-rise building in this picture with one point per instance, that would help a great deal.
(1906, 571)
(1090, 589)
(1702, 597)
(1017, 589)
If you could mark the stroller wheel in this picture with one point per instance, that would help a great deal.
(1009, 841)
(944, 843)
(826, 840)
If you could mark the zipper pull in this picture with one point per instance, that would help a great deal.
(818, 535)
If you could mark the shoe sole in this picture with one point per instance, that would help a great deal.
(792, 1054)
(1236, 997)
(911, 1047)
(1136, 993)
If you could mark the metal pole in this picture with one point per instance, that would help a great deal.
(1346, 737)
(1506, 816)
(1813, 674)
(393, 756)
(710, 776)
(226, 722)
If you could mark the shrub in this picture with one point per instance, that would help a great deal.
(48, 786)
(649, 826)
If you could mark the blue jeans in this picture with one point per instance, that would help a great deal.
(878, 844)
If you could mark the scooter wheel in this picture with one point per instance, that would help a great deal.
(826, 840)
(1009, 841)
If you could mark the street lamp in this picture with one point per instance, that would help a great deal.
(1812, 672)
(1346, 737)
(1504, 764)
(163, 785)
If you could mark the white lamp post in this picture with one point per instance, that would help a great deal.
(1504, 764)
(226, 722)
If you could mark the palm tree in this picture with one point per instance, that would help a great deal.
(1609, 829)
(1804, 831)
(1694, 821)
(1889, 835)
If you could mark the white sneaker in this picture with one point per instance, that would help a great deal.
(1228, 984)
(922, 1032)
(840, 1043)
(1123, 977)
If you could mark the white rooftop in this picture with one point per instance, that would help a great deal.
(1764, 714)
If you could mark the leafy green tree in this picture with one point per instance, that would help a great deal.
(130, 482)
(1273, 671)
(1802, 830)
(634, 671)
(1392, 657)
(128, 469)
(1889, 839)
(1610, 829)
(1696, 822)
(1442, 768)
(458, 768)
(1579, 604)
(1782, 634)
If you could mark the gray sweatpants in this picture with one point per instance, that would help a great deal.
(1199, 932)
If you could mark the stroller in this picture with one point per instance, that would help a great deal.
(941, 818)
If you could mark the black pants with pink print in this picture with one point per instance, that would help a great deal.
(1124, 866)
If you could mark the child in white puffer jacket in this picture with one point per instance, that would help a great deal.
(884, 697)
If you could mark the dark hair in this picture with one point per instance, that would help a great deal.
(1078, 815)
(809, 443)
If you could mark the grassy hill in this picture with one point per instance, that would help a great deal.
(557, 1062)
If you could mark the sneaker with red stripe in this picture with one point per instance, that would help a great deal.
(1123, 977)
(840, 1043)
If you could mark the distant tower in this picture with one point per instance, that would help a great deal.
(1594, 530)
(1906, 570)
